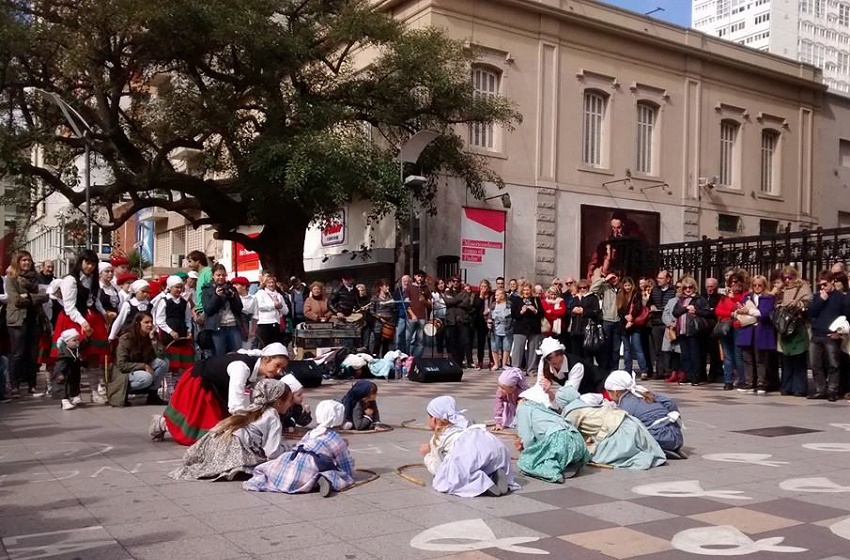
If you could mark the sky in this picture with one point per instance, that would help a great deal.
(675, 11)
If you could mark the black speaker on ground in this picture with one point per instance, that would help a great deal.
(307, 372)
(435, 370)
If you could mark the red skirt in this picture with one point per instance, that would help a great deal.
(180, 354)
(192, 410)
(93, 348)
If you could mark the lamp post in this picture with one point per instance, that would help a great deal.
(73, 116)
(409, 153)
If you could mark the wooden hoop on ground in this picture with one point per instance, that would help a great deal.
(599, 466)
(410, 426)
(384, 428)
(373, 477)
(400, 471)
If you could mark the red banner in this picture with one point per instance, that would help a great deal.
(243, 259)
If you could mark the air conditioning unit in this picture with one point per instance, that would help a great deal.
(177, 261)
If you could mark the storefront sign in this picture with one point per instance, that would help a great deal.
(333, 231)
(243, 259)
(482, 244)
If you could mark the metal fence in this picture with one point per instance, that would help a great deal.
(810, 251)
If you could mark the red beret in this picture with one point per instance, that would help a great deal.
(155, 287)
(119, 261)
(241, 280)
(126, 277)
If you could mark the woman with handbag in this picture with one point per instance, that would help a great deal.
(692, 315)
(585, 310)
(724, 331)
(633, 316)
(794, 345)
(527, 312)
(756, 337)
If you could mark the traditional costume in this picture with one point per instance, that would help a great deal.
(81, 305)
(321, 453)
(297, 415)
(173, 319)
(506, 403)
(551, 445)
(565, 375)
(218, 455)
(354, 408)
(109, 298)
(661, 417)
(130, 308)
(209, 391)
(611, 435)
(466, 460)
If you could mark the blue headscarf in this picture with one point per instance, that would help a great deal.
(359, 390)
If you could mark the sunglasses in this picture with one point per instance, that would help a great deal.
(689, 288)
(570, 283)
(788, 277)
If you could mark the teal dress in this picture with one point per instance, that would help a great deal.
(550, 443)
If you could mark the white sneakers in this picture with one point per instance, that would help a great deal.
(68, 405)
(156, 429)
(76, 401)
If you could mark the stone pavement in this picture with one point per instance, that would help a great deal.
(767, 478)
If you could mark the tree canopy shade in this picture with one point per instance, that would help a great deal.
(235, 112)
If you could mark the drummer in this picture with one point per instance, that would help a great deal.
(344, 298)
(383, 310)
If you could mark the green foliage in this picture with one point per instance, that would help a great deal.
(235, 112)
(137, 263)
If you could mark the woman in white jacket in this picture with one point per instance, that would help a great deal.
(271, 307)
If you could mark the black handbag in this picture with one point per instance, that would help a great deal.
(721, 329)
(594, 336)
(785, 319)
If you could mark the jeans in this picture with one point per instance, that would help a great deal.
(733, 359)
(401, 335)
(610, 351)
(408, 336)
(690, 357)
(826, 362)
(526, 345)
(499, 343)
(23, 355)
(226, 340)
(632, 350)
(141, 380)
(710, 355)
(795, 380)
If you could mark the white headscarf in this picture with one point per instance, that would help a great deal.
(328, 414)
(172, 281)
(623, 381)
(538, 395)
(68, 335)
(275, 349)
(266, 392)
(293, 382)
(138, 286)
(445, 408)
(103, 265)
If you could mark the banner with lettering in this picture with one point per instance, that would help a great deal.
(482, 244)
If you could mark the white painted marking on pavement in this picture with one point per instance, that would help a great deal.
(837, 447)
(748, 458)
(479, 535)
(814, 484)
(686, 489)
(726, 541)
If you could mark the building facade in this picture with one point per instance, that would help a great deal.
(812, 31)
(681, 134)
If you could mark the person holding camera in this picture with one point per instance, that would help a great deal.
(221, 307)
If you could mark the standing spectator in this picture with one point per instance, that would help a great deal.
(222, 308)
(45, 275)
(797, 295)
(825, 348)
(513, 287)
(758, 340)
(481, 303)
(458, 305)
(630, 306)
(197, 262)
(298, 294)
(733, 358)
(384, 311)
(710, 348)
(403, 320)
(500, 283)
(606, 290)
(692, 315)
(247, 320)
(363, 308)
(419, 295)
(661, 294)
(271, 308)
(527, 312)
(344, 297)
(24, 318)
(501, 330)
(554, 310)
(585, 308)
(316, 305)
(568, 293)
(438, 313)
(645, 285)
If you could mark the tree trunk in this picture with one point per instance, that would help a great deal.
(281, 245)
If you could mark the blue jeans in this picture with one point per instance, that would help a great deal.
(415, 337)
(733, 359)
(401, 335)
(226, 340)
(141, 380)
(632, 349)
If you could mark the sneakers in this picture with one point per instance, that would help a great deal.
(68, 405)
(644, 376)
(728, 387)
(674, 377)
(101, 389)
(77, 401)
(761, 392)
(32, 392)
(156, 429)
(348, 426)
(744, 389)
(97, 398)
(324, 487)
(495, 367)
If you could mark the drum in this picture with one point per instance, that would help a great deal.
(387, 330)
(432, 327)
(354, 318)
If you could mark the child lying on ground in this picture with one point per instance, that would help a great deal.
(321, 460)
(466, 460)
(240, 442)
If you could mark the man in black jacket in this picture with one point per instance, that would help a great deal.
(825, 348)
(662, 293)
(710, 348)
(344, 297)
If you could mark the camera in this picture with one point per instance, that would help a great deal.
(227, 290)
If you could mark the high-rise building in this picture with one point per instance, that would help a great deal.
(811, 31)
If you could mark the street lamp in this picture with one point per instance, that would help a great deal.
(409, 153)
(72, 116)
(504, 198)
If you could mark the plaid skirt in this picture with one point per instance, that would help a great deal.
(547, 458)
(93, 348)
(192, 410)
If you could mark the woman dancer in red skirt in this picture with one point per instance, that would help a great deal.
(213, 389)
(81, 310)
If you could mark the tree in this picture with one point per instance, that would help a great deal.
(235, 112)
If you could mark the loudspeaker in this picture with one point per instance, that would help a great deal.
(435, 370)
(307, 372)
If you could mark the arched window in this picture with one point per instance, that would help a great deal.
(728, 152)
(485, 83)
(593, 127)
(770, 162)
(647, 116)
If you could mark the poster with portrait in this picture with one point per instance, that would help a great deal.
(620, 237)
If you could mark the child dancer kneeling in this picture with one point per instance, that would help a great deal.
(321, 460)
(240, 442)
(466, 461)
(511, 384)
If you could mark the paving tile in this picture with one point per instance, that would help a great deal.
(396, 547)
(623, 513)
(560, 522)
(568, 497)
(289, 537)
(798, 510)
(619, 542)
(557, 549)
(503, 506)
(158, 530)
(747, 521)
(429, 516)
(817, 539)
(312, 507)
(678, 506)
(400, 499)
(220, 502)
(367, 525)
(667, 528)
(335, 551)
(210, 546)
(837, 501)
(91, 542)
(62, 519)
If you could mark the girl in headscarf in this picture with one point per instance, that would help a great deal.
(139, 302)
(466, 460)
(361, 406)
(659, 414)
(321, 460)
(611, 435)
(240, 442)
(511, 384)
(554, 365)
(551, 448)
(173, 319)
